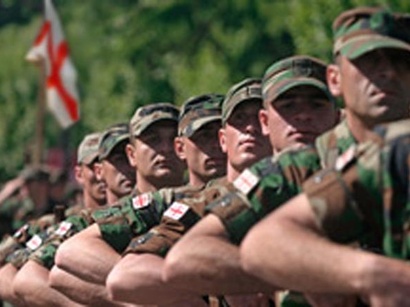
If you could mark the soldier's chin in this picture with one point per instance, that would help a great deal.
(304, 139)
(163, 172)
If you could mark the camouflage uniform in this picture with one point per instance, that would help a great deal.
(136, 215)
(365, 198)
(357, 32)
(42, 226)
(181, 215)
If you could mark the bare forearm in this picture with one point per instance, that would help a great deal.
(212, 266)
(75, 288)
(138, 278)
(31, 285)
(204, 260)
(7, 275)
(302, 260)
(81, 256)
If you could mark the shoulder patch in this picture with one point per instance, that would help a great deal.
(246, 181)
(345, 158)
(141, 201)
(34, 242)
(21, 230)
(63, 228)
(176, 210)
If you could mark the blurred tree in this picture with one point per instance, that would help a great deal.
(133, 52)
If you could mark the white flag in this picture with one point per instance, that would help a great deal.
(51, 47)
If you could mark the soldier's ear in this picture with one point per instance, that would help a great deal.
(98, 171)
(131, 155)
(179, 147)
(263, 119)
(334, 79)
(78, 174)
(222, 139)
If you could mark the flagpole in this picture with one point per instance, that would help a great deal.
(40, 117)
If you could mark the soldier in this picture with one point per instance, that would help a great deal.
(114, 168)
(297, 108)
(199, 123)
(87, 157)
(137, 277)
(364, 198)
(118, 176)
(372, 72)
(93, 195)
(151, 149)
(197, 142)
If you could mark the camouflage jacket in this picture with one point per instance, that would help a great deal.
(138, 214)
(366, 197)
(34, 234)
(255, 193)
(333, 143)
(181, 215)
(262, 188)
(130, 216)
(42, 226)
(44, 251)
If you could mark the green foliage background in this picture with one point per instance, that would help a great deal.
(130, 53)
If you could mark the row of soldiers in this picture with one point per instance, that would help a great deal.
(186, 191)
(36, 191)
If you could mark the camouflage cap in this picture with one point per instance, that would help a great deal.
(246, 90)
(147, 115)
(88, 149)
(291, 72)
(364, 29)
(198, 111)
(111, 137)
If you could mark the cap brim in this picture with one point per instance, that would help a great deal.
(117, 141)
(360, 46)
(293, 83)
(89, 159)
(199, 123)
(228, 114)
(153, 121)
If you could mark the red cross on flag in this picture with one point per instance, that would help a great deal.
(51, 47)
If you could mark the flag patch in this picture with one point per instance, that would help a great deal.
(246, 181)
(34, 242)
(63, 228)
(176, 210)
(141, 201)
(20, 232)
